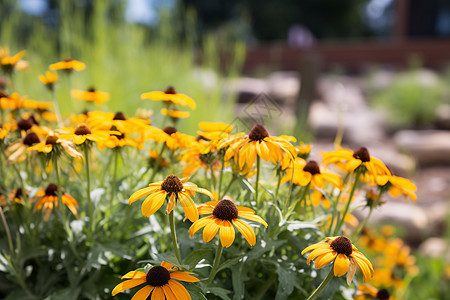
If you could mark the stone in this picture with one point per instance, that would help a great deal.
(435, 247)
(428, 147)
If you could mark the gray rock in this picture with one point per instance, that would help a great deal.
(435, 247)
(428, 147)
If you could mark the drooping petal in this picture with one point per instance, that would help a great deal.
(142, 193)
(351, 270)
(153, 203)
(325, 259)
(210, 230)
(158, 294)
(341, 265)
(318, 252)
(226, 233)
(143, 293)
(199, 224)
(189, 207)
(246, 231)
(315, 246)
(179, 290)
(353, 164)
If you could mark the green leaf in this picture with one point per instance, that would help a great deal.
(195, 257)
(239, 276)
(286, 281)
(220, 292)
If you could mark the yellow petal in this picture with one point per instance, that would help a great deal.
(246, 231)
(318, 252)
(325, 259)
(128, 284)
(188, 206)
(143, 293)
(210, 230)
(226, 233)
(153, 203)
(183, 276)
(158, 294)
(252, 217)
(199, 224)
(179, 290)
(341, 265)
(134, 274)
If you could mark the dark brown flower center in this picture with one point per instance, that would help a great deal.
(172, 184)
(383, 294)
(119, 116)
(226, 210)
(312, 167)
(68, 59)
(202, 138)
(51, 140)
(170, 130)
(158, 276)
(91, 89)
(51, 190)
(30, 139)
(25, 124)
(3, 94)
(82, 129)
(362, 153)
(18, 194)
(258, 133)
(342, 245)
(170, 90)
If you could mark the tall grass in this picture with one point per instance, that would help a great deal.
(124, 59)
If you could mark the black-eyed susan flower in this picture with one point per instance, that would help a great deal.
(49, 79)
(52, 143)
(83, 133)
(343, 253)
(397, 186)
(309, 173)
(68, 65)
(161, 282)
(9, 63)
(91, 95)
(15, 196)
(48, 199)
(257, 143)
(225, 214)
(172, 138)
(173, 190)
(353, 160)
(366, 291)
(17, 150)
(170, 95)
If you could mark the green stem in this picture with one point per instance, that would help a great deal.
(352, 193)
(88, 187)
(228, 186)
(213, 177)
(278, 185)
(114, 177)
(258, 167)
(363, 224)
(158, 162)
(216, 263)
(336, 201)
(174, 236)
(56, 107)
(322, 285)
(221, 177)
(8, 233)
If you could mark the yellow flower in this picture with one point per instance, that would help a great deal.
(8, 63)
(16, 150)
(244, 149)
(170, 95)
(48, 199)
(397, 185)
(52, 141)
(176, 114)
(172, 137)
(374, 293)
(14, 102)
(68, 65)
(309, 173)
(160, 281)
(225, 214)
(91, 95)
(49, 79)
(82, 133)
(353, 160)
(4, 130)
(171, 189)
(119, 140)
(15, 196)
(343, 253)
